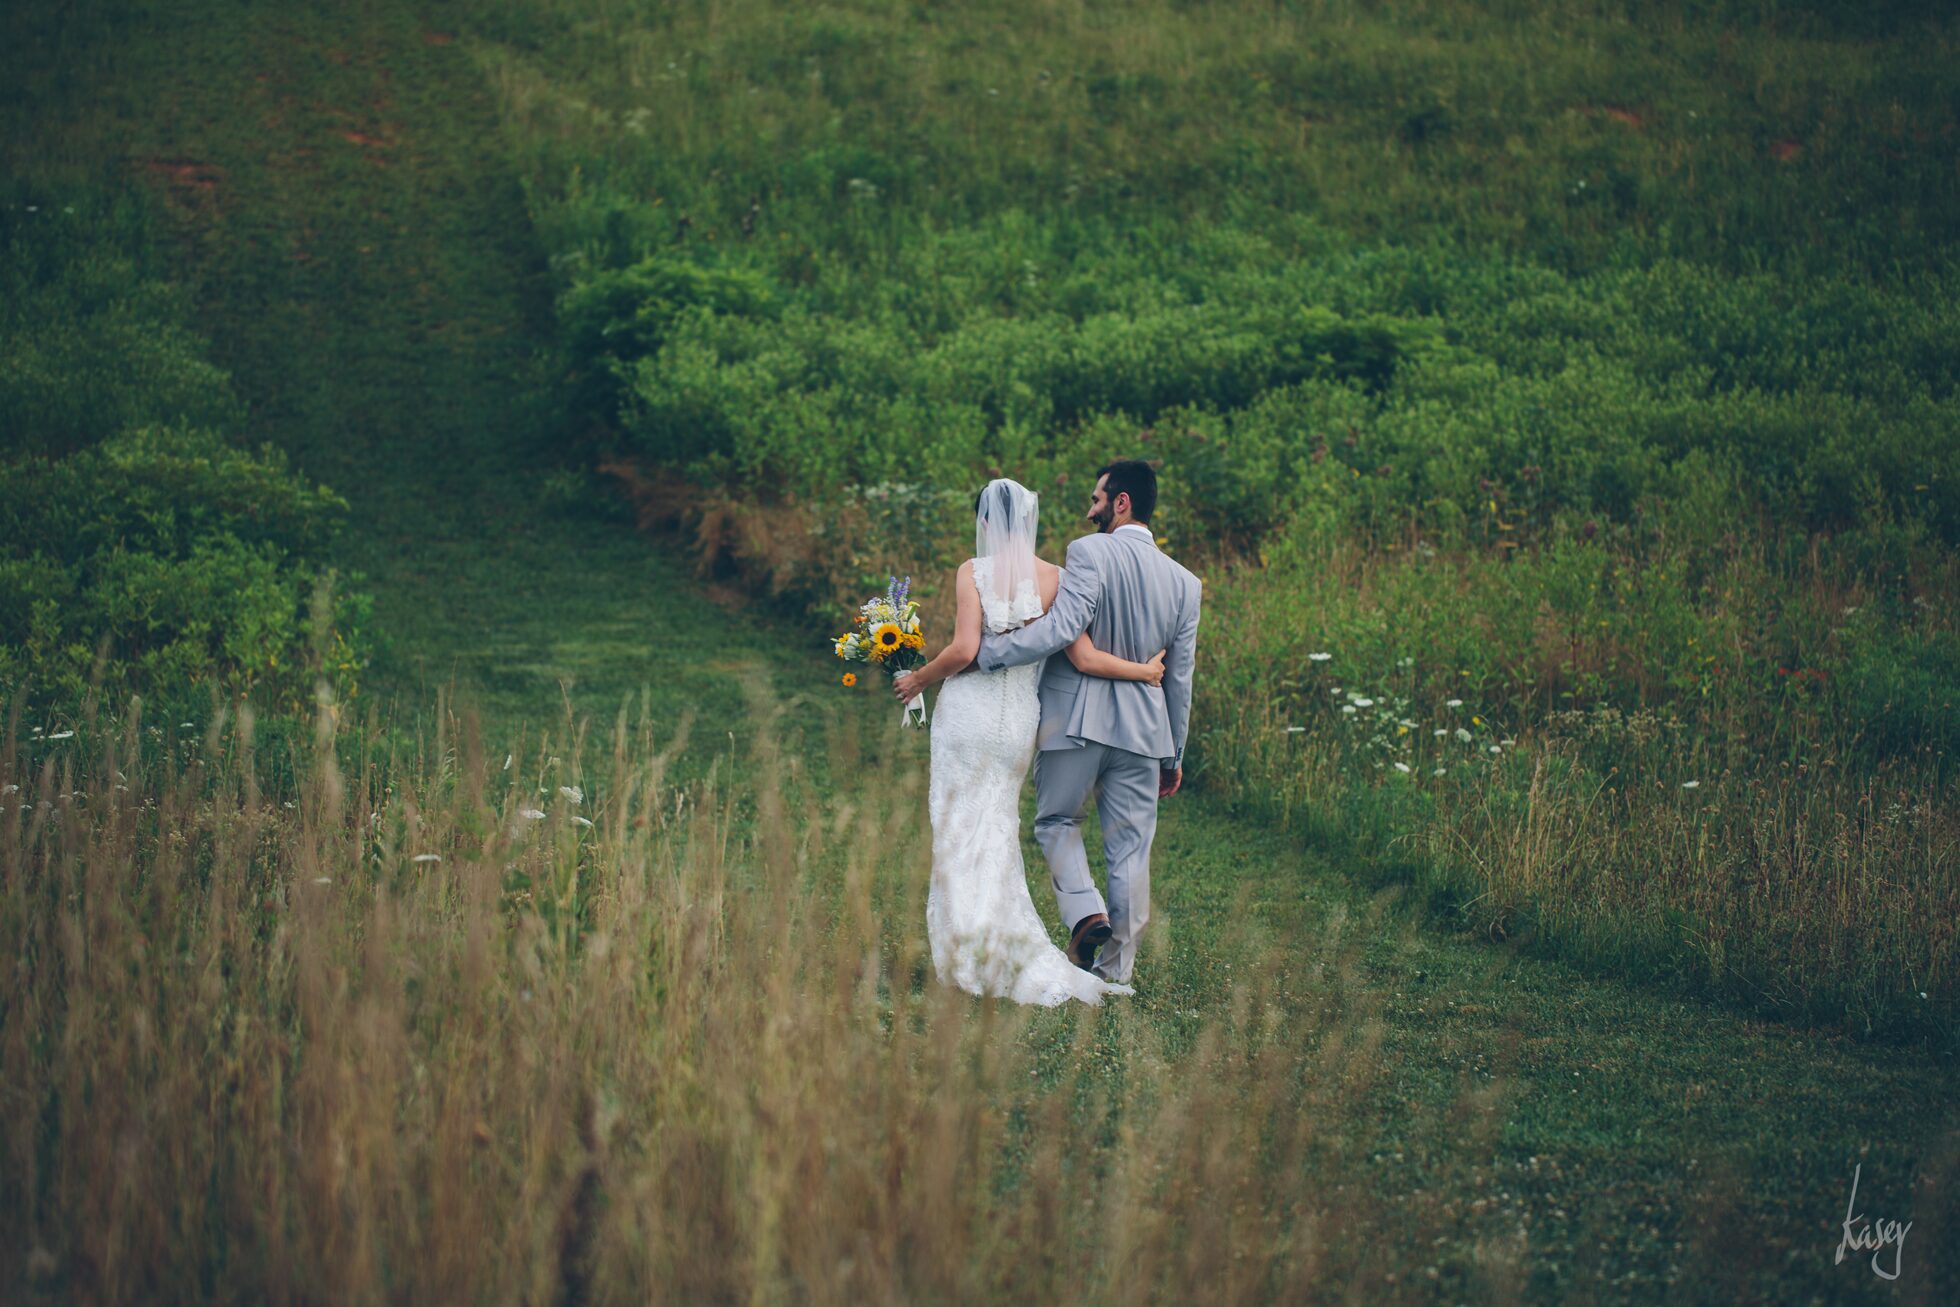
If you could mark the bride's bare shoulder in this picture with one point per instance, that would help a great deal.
(1047, 581)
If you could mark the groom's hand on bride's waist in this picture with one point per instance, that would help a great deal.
(1168, 780)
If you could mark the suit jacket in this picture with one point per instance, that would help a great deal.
(1133, 599)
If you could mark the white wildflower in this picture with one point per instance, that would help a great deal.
(323, 880)
(62, 735)
(1495, 749)
(1364, 703)
(426, 857)
(533, 813)
(1452, 703)
(1437, 772)
(1462, 735)
(1318, 657)
(1295, 730)
(572, 792)
(583, 822)
(185, 725)
(1347, 708)
(1689, 785)
(1402, 767)
(507, 758)
(1439, 732)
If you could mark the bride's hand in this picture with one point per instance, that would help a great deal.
(1156, 666)
(905, 685)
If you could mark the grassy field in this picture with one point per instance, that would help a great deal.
(1572, 380)
(690, 1052)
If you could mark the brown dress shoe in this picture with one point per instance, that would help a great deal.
(1088, 937)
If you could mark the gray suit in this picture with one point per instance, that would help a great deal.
(1109, 737)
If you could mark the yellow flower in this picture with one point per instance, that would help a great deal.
(887, 638)
(850, 679)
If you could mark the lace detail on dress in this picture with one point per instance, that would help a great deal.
(985, 934)
(998, 616)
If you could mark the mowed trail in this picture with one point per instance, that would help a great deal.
(363, 260)
(366, 268)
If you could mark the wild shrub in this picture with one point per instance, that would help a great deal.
(617, 316)
(93, 338)
(140, 548)
(188, 563)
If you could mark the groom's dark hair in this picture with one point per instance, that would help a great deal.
(1132, 477)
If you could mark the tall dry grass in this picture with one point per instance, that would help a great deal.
(1833, 894)
(1826, 890)
(252, 1049)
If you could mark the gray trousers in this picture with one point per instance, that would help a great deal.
(1125, 785)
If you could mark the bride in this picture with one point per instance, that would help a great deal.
(983, 929)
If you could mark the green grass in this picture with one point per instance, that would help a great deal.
(1623, 1144)
(1552, 358)
(384, 311)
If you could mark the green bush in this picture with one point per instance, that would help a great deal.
(92, 340)
(616, 317)
(137, 544)
(194, 563)
(1456, 394)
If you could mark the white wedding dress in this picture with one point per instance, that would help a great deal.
(985, 935)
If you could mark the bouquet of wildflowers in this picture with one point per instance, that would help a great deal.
(885, 633)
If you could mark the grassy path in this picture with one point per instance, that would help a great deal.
(364, 264)
(370, 279)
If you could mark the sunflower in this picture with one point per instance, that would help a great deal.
(886, 639)
(850, 679)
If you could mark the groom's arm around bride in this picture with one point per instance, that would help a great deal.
(1076, 601)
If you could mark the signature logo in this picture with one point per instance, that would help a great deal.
(1861, 1235)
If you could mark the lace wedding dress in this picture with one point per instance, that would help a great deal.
(985, 935)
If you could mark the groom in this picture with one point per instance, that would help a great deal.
(1122, 740)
